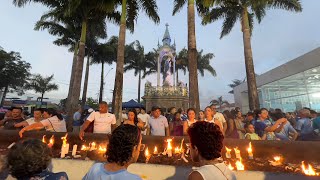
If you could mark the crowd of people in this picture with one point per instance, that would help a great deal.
(30, 159)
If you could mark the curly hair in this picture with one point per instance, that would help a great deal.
(121, 144)
(208, 138)
(28, 158)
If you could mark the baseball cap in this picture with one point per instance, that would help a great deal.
(90, 110)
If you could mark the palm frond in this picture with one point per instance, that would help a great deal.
(177, 5)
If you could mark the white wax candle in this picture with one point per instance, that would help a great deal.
(169, 151)
(66, 149)
(74, 150)
(228, 155)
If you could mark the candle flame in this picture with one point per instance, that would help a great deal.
(84, 148)
(44, 139)
(310, 171)
(146, 152)
(250, 148)
(64, 140)
(177, 150)
(230, 167)
(155, 151)
(277, 158)
(102, 149)
(51, 141)
(239, 165)
(227, 149)
(236, 150)
(169, 146)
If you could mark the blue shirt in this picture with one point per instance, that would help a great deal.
(98, 172)
(304, 126)
(285, 132)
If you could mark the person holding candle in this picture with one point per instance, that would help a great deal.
(206, 143)
(123, 149)
(191, 119)
(104, 122)
(53, 122)
(30, 159)
(134, 120)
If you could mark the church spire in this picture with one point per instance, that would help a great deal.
(166, 37)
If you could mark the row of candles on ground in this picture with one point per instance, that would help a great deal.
(277, 161)
(65, 146)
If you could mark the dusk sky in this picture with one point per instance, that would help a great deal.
(281, 37)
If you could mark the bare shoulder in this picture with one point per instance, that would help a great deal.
(195, 175)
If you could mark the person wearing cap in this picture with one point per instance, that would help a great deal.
(158, 124)
(77, 120)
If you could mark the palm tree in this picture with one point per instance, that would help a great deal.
(41, 84)
(105, 53)
(138, 61)
(245, 10)
(182, 62)
(219, 102)
(130, 10)
(204, 63)
(235, 83)
(192, 48)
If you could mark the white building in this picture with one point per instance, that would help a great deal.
(290, 87)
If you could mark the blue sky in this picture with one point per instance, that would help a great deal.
(281, 37)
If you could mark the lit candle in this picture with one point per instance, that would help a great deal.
(169, 148)
(74, 150)
(84, 148)
(177, 150)
(44, 139)
(250, 151)
(64, 147)
(155, 151)
(93, 146)
(51, 141)
(147, 155)
(237, 152)
(239, 165)
(228, 153)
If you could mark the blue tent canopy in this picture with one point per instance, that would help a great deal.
(131, 104)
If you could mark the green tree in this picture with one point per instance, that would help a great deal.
(41, 84)
(130, 10)
(14, 73)
(105, 53)
(137, 60)
(94, 104)
(219, 102)
(245, 11)
(235, 83)
(192, 48)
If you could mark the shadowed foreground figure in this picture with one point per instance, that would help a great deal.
(205, 148)
(29, 160)
(123, 149)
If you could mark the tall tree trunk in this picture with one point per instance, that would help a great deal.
(85, 84)
(192, 59)
(101, 82)
(74, 102)
(251, 77)
(4, 95)
(73, 69)
(118, 85)
(177, 72)
(41, 100)
(139, 86)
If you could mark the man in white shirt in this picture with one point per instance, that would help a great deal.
(158, 124)
(218, 116)
(104, 122)
(144, 118)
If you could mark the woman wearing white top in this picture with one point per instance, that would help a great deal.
(191, 119)
(205, 148)
(209, 118)
(52, 122)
